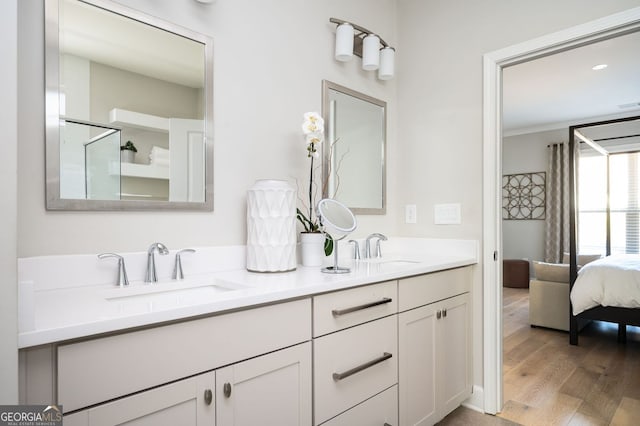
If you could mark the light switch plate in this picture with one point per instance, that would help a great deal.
(447, 214)
(410, 213)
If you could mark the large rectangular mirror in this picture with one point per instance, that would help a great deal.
(129, 117)
(354, 150)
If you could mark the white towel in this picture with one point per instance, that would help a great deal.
(159, 156)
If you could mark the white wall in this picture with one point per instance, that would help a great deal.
(8, 212)
(269, 61)
(524, 239)
(439, 140)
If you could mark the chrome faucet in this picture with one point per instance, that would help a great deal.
(151, 276)
(367, 247)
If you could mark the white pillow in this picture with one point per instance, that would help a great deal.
(558, 272)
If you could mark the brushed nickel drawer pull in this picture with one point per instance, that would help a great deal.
(386, 424)
(340, 376)
(338, 312)
(208, 396)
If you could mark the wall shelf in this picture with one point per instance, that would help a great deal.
(138, 120)
(148, 171)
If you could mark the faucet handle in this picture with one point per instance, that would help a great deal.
(356, 249)
(178, 274)
(123, 280)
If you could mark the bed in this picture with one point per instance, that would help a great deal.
(607, 289)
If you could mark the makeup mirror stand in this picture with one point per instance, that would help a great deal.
(336, 222)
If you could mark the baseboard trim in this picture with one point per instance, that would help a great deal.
(476, 401)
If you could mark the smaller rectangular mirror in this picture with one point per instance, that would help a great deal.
(354, 149)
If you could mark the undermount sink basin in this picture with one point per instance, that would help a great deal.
(160, 296)
(392, 261)
(399, 262)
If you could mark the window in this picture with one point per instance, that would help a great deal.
(608, 210)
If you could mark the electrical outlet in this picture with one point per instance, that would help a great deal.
(410, 213)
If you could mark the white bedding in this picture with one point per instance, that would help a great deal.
(612, 281)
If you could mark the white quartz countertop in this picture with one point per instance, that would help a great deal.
(56, 313)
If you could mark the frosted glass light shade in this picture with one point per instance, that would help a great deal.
(344, 42)
(387, 63)
(371, 52)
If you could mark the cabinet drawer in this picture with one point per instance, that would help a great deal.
(97, 370)
(424, 289)
(346, 308)
(352, 365)
(380, 410)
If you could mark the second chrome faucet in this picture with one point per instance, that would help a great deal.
(367, 248)
(151, 275)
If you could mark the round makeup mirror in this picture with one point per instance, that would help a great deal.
(337, 221)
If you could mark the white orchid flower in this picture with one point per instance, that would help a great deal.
(313, 123)
(313, 116)
(314, 138)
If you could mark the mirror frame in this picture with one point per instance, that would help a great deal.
(52, 107)
(326, 87)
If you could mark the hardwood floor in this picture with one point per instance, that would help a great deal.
(549, 382)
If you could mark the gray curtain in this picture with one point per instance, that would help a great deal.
(557, 215)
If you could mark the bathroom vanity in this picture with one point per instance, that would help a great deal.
(389, 343)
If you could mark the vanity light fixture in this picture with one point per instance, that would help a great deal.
(376, 54)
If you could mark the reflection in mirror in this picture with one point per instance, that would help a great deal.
(337, 221)
(114, 76)
(354, 155)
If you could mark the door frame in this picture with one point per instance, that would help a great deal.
(493, 62)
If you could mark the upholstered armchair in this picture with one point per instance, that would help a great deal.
(549, 293)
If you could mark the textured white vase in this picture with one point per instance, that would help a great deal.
(311, 248)
(271, 226)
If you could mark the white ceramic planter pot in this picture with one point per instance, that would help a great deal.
(311, 248)
(271, 226)
(127, 156)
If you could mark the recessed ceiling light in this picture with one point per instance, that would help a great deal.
(599, 67)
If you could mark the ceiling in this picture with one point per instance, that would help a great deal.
(560, 90)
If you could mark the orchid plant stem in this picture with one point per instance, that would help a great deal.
(311, 195)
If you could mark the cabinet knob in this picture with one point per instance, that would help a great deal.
(444, 312)
(226, 389)
(439, 314)
(208, 396)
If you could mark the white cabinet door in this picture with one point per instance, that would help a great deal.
(454, 350)
(417, 335)
(434, 350)
(273, 389)
(186, 402)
